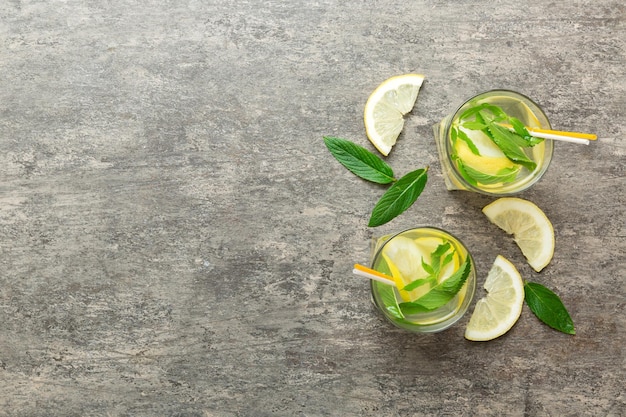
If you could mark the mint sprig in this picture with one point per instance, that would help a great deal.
(400, 196)
(489, 118)
(363, 163)
(434, 268)
(359, 160)
(548, 307)
(440, 294)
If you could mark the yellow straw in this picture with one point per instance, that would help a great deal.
(588, 136)
(573, 137)
(366, 272)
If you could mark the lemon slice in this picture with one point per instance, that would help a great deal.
(489, 165)
(404, 259)
(530, 227)
(499, 310)
(386, 107)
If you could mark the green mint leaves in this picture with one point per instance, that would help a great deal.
(440, 294)
(491, 120)
(548, 307)
(510, 144)
(359, 160)
(364, 164)
(399, 197)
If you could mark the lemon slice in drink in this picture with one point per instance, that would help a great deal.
(386, 107)
(489, 165)
(499, 310)
(404, 259)
(531, 229)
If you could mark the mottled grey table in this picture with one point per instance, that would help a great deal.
(175, 239)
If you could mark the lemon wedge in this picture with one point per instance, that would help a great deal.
(531, 229)
(499, 310)
(386, 107)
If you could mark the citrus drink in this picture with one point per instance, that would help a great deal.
(485, 147)
(434, 275)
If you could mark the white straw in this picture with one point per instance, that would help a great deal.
(559, 137)
(552, 136)
(372, 276)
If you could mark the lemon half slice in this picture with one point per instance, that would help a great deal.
(499, 310)
(386, 107)
(530, 227)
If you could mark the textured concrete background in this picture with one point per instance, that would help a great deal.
(176, 240)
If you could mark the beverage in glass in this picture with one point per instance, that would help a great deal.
(484, 145)
(423, 262)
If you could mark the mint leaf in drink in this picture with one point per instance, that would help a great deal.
(359, 160)
(399, 197)
(508, 143)
(472, 111)
(521, 130)
(548, 307)
(440, 294)
(463, 136)
(502, 176)
(434, 268)
(388, 295)
(419, 282)
(474, 125)
(390, 301)
(463, 171)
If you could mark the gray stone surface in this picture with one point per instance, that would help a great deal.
(176, 240)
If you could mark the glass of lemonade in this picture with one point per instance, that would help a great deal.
(434, 274)
(484, 146)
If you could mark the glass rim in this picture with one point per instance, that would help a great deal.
(378, 250)
(549, 144)
(447, 322)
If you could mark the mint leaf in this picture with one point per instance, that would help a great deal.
(508, 143)
(399, 197)
(504, 175)
(475, 125)
(463, 136)
(521, 130)
(440, 294)
(429, 269)
(434, 269)
(388, 296)
(519, 127)
(462, 170)
(359, 160)
(472, 111)
(548, 307)
(418, 283)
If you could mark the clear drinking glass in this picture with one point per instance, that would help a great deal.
(458, 160)
(411, 255)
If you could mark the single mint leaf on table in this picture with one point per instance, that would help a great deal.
(399, 197)
(359, 160)
(548, 307)
(440, 294)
